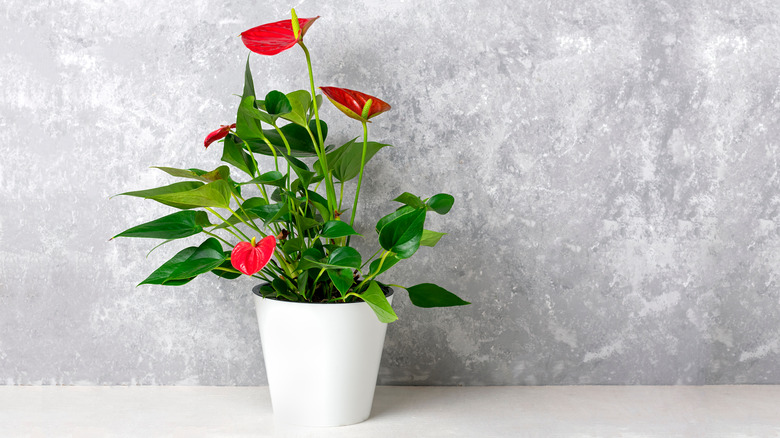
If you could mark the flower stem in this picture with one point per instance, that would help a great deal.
(323, 158)
(360, 177)
(229, 224)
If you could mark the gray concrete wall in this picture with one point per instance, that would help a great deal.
(615, 165)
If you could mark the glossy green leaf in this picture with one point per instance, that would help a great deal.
(298, 137)
(276, 103)
(345, 161)
(378, 302)
(431, 295)
(378, 266)
(441, 203)
(431, 238)
(320, 203)
(341, 257)
(159, 191)
(174, 226)
(214, 194)
(226, 270)
(188, 264)
(234, 153)
(335, 229)
(411, 200)
(206, 257)
(293, 245)
(346, 257)
(162, 274)
(272, 178)
(300, 101)
(249, 118)
(343, 279)
(403, 233)
(221, 172)
(249, 84)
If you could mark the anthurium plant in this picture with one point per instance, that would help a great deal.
(290, 226)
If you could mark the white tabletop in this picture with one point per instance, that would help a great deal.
(399, 412)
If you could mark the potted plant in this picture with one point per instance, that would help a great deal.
(321, 310)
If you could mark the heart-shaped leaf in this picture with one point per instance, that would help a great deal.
(342, 279)
(441, 203)
(335, 229)
(431, 238)
(411, 200)
(378, 302)
(401, 231)
(345, 161)
(276, 103)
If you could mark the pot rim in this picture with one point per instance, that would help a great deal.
(256, 292)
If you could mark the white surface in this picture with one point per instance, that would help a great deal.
(321, 360)
(399, 412)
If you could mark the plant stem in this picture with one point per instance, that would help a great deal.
(229, 224)
(216, 236)
(324, 159)
(360, 177)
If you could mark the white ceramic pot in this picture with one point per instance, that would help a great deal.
(321, 360)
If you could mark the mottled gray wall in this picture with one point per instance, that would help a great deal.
(615, 165)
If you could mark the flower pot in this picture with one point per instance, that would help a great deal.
(321, 360)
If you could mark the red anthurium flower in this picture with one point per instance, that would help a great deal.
(352, 102)
(272, 38)
(219, 134)
(251, 257)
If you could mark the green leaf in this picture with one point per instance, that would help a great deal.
(221, 172)
(320, 203)
(174, 226)
(276, 103)
(441, 203)
(411, 200)
(293, 245)
(375, 269)
(159, 191)
(378, 302)
(188, 264)
(298, 137)
(215, 194)
(431, 295)
(299, 101)
(248, 119)
(335, 229)
(272, 178)
(402, 233)
(346, 257)
(230, 274)
(206, 257)
(341, 257)
(431, 238)
(162, 274)
(234, 153)
(342, 279)
(249, 84)
(345, 161)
